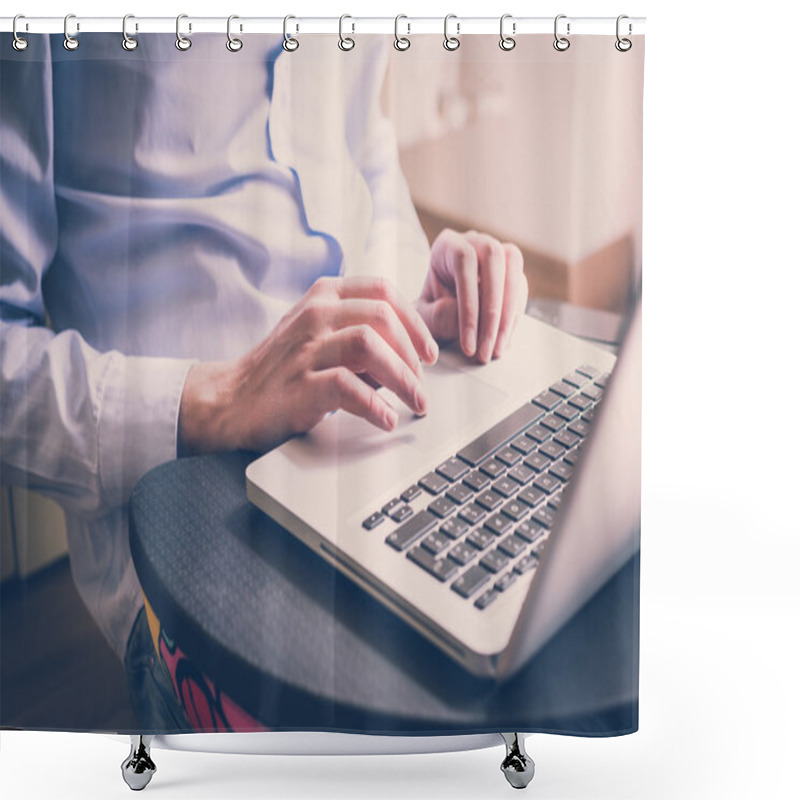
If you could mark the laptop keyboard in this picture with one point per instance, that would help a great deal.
(483, 517)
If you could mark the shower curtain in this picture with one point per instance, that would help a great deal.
(216, 247)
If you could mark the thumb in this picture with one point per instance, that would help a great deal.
(441, 317)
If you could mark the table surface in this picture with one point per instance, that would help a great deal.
(299, 646)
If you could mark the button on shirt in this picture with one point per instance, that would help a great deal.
(160, 207)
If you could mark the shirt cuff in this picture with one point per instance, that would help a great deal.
(137, 420)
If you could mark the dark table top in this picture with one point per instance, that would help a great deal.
(299, 646)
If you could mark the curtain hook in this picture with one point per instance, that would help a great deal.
(19, 44)
(290, 43)
(128, 42)
(401, 42)
(181, 41)
(561, 43)
(70, 42)
(233, 44)
(345, 42)
(507, 42)
(451, 42)
(623, 45)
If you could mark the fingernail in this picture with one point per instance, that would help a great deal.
(420, 401)
(433, 352)
(390, 419)
(485, 352)
(499, 347)
(469, 341)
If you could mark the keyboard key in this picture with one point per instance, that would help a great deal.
(522, 474)
(546, 482)
(529, 530)
(553, 423)
(539, 546)
(497, 524)
(454, 528)
(453, 469)
(412, 492)
(435, 542)
(562, 388)
(567, 439)
(493, 468)
(472, 580)
(442, 507)
(506, 581)
(576, 379)
(567, 411)
(573, 455)
(602, 380)
(508, 455)
(588, 416)
(441, 568)
(505, 430)
(592, 392)
(463, 552)
(401, 512)
(494, 561)
(515, 510)
(526, 564)
(387, 509)
(562, 471)
(531, 496)
(512, 546)
(588, 371)
(579, 427)
(472, 513)
(505, 487)
(486, 599)
(411, 530)
(547, 400)
(459, 493)
(434, 483)
(481, 539)
(489, 500)
(523, 444)
(537, 462)
(477, 481)
(538, 433)
(580, 401)
(373, 520)
(554, 501)
(552, 450)
(544, 515)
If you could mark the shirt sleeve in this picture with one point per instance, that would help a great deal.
(396, 244)
(77, 424)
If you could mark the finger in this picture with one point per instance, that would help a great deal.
(441, 316)
(492, 278)
(380, 289)
(516, 288)
(381, 316)
(455, 263)
(340, 388)
(361, 349)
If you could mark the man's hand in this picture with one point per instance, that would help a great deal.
(344, 337)
(475, 291)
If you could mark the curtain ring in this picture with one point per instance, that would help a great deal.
(19, 44)
(128, 42)
(290, 43)
(507, 42)
(401, 42)
(181, 41)
(346, 42)
(70, 42)
(451, 42)
(623, 45)
(233, 44)
(561, 43)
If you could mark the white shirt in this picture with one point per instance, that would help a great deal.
(160, 207)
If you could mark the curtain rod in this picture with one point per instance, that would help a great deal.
(513, 26)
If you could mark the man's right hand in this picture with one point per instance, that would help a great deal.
(344, 337)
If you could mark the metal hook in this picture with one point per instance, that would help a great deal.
(451, 42)
(623, 45)
(128, 42)
(345, 42)
(70, 42)
(401, 42)
(233, 44)
(507, 42)
(561, 43)
(290, 43)
(19, 44)
(181, 41)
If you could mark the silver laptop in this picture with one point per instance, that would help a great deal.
(489, 522)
